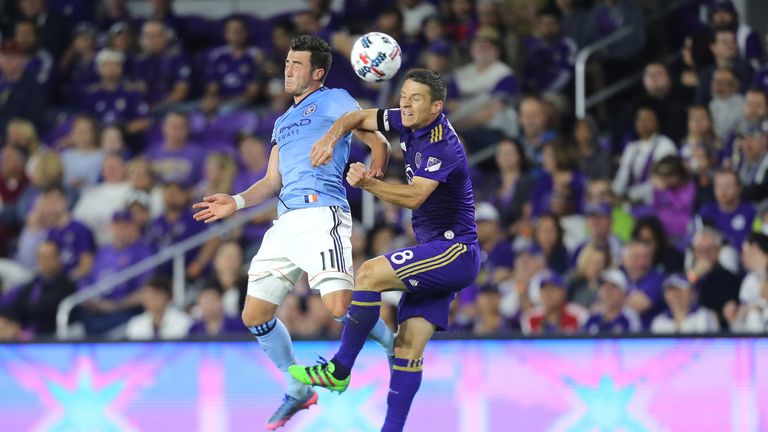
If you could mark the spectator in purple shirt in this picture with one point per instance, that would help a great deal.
(177, 159)
(232, 73)
(674, 196)
(77, 65)
(161, 70)
(114, 101)
(177, 224)
(33, 306)
(644, 295)
(549, 55)
(253, 157)
(613, 316)
(74, 239)
(729, 214)
(41, 61)
(497, 258)
(213, 322)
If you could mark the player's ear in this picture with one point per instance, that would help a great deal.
(318, 74)
(437, 106)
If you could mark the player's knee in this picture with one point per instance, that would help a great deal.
(254, 315)
(366, 277)
(405, 350)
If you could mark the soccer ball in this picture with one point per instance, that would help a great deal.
(376, 57)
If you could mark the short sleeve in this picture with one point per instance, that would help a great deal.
(341, 103)
(389, 120)
(437, 164)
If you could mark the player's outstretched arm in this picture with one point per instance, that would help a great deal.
(380, 151)
(219, 206)
(411, 196)
(322, 150)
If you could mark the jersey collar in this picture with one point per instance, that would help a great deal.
(426, 129)
(322, 87)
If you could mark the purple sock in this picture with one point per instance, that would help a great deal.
(403, 385)
(363, 314)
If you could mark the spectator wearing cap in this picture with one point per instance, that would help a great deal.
(666, 256)
(486, 89)
(160, 320)
(754, 258)
(177, 224)
(633, 179)
(40, 60)
(717, 286)
(522, 290)
(74, 239)
(113, 100)
(674, 197)
(729, 214)
(127, 249)
(213, 321)
(599, 222)
(77, 66)
(753, 169)
(584, 282)
(723, 15)
(232, 73)
(496, 254)
(549, 56)
(683, 315)
(20, 94)
(162, 71)
(13, 182)
(725, 51)
(177, 158)
(554, 315)
(727, 103)
(33, 306)
(645, 293)
(253, 159)
(99, 202)
(613, 316)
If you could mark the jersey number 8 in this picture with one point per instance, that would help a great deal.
(401, 257)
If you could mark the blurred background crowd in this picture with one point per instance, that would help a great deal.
(649, 214)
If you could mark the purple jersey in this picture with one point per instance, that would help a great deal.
(735, 225)
(232, 74)
(435, 152)
(163, 233)
(185, 163)
(119, 105)
(650, 285)
(230, 325)
(761, 79)
(160, 73)
(73, 239)
(80, 77)
(548, 65)
(111, 260)
(625, 322)
(502, 256)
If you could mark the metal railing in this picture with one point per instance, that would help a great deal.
(175, 253)
(582, 102)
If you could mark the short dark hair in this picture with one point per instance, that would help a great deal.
(431, 79)
(160, 283)
(319, 52)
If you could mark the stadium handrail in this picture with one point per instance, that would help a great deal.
(582, 102)
(175, 253)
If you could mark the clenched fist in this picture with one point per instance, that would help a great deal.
(358, 176)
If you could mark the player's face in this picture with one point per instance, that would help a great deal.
(416, 105)
(298, 72)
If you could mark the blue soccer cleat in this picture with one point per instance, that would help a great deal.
(289, 407)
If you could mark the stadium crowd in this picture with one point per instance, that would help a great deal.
(648, 215)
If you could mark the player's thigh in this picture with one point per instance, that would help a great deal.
(271, 275)
(412, 337)
(436, 268)
(377, 274)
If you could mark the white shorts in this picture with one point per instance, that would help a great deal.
(312, 240)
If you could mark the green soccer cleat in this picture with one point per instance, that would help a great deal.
(320, 375)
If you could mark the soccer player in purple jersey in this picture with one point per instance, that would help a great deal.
(446, 258)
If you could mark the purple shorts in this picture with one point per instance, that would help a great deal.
(433, 273)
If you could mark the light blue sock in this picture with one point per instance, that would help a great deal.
(381, 334)
(275, 340)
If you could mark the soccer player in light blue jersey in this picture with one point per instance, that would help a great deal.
(313, 229)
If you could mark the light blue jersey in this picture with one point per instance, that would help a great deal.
(294, 133)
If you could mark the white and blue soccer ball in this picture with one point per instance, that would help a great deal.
(376, 57)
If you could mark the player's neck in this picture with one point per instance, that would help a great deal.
(311, 89)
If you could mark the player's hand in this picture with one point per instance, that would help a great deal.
(376, 173)
(322, 152)
(357, 176)
(214, 207)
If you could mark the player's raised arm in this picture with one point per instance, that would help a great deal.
(221, 205)
(322, 151)
(411, 196)
(380, 151)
